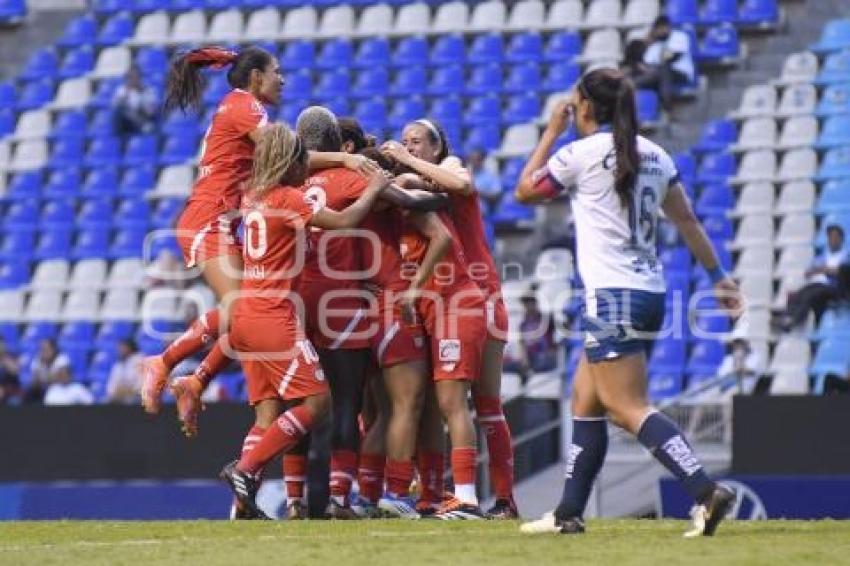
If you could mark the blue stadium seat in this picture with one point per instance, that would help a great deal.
(759, 13)
(834, 132)
(677, 281)
(67, 152)
(340, 106)
(834, 197)
(151, 61)
(92, 243)
(43, 63)
(8, 95)
(648, 106)
(664, 385)
(487, 48)
(63, 183)
(683, 11)
(718, 227)
(406, 110)
(98, 372)
(151, 343)
(147, 6)
(716, 136)
(676, 260)
(705, 326)
(76, 335)
(485, 79)
(521, 108)
(166, 213)
(77, 62)
(177, 122)
(291, 108)
(35, 332)
(832, 357)
(111, 332)
(36, 94)
(718, 11)
(116, 29)
(134, 213)
(69, 124)
(103, 152)
(105, 92)
(720, 44)
(447, 110)
(335, 54)
(835, 323)
(835, 36)
(96, 213)
(216, 89)
(525, 48)
(561, 77)
(14, 274)
(409, 82)
(58, 215)
(80, 31)
(668, 355)
(21, 215)
(24, 186)
(186, 5)
(179, 149)
(510, 173)
(835, 164)
(714, 199)
(448, 50)
(562, 47)
(486, 138)
(834, 100)
(140, 150)
(411, 52)
(53, 244)
(371, 82)
(716, 167)
(18, 246)
(10, 336)
(510, 213)
(8, 119)
(334, 84)
(107, 7)
(373, 52)
(835, 68)
(523, 79)
(484, 110)
(101, 182)
(372, 114)
(127, 244)
(686, 166)
(12, 11)
(297, 55)
(135, 181)
(299, 86)
(447, 81)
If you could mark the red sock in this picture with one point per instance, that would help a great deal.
(499, 446)
(431, 467)
(201, 332)
(215, 361)
(252, 438)
(463, 465)
(294, 475)
(370, 476)
(399, 476)
(289, 428)
(343, 468)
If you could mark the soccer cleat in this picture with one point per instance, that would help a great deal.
(504, 509)
(245, 488)
(456, 510)
(339, 512)
(154, 377)
(427, 509)
(707, 517)
(187, 394)
(296, 510)
(238, 512)
(398, 507)
(365, 509)
(548, 524)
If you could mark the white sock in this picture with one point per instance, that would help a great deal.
(466, 493)
(339, 500)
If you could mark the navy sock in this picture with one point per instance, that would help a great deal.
(585, 456)
(663, 439)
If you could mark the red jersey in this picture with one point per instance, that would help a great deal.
(384, 255)
(466, 212)
(275, 244)
(227, 152)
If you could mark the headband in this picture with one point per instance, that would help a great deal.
(431, 128)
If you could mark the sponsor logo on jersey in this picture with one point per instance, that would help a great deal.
(449, 350)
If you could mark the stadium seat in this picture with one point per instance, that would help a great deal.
(372, 114)
(451, 17)
(20, 216)
(487, 48)
(373, 52)
(718, 228)
(32, 124)
(42, 63)
(72, 94)
(447, 81)
(336, 21)
(410, 81)
(89, 273)
(759, 13)
(101, 182)
(80, 305)
(521, 109)
(404, 111)
(795, 197)
(116, 29)
(127, 274)
(662, 386)
(17, 246)
(757, 101)
(794, 260)
(799, 131)
(519, 140)
(640, 13)
(335, 54)
(91, 243)
(799, 67)
(53, 244)
(297, 55)
(374, 20)
(797, 164)
(7, 125)
(152, 29)
(63, 183)
(758, 165)
(14, 274)
(412, 19)
(411, 52)
(69, 124)
(448, 50)
(174, 181)
(525, 47)
(111, 332)
(561, 77)
(58, 215)
(371, 82)
(834, 132)
(686, 166)
(676, 259)
(835, 323)
(24, 186)
(757, 133)
(35, 332)
(485, 79)
(754, 230)
(95, 213)
(755, 260)
(134, 214)
(835, 36)
(602, 14)
(151, 61)
(562, 46)
(103, 152)
(648, 107)
(486, 138)
(526, 15)
(302, 22)
(720, 45)
(603, 46)
(834, 68)
(447, 110)
(564, 14)
(832, 357)
(835, 164)
(714, 199)
(706, 357)
(79, 31)
(102, 98)
(718, 11)
(834, 197)
(127, 244)
(488, 15)
(510, 213)
(716, 168)
(334, 84)
(523, 78)
(226, 26)
(668, 355)
(798, 100)
(10, 336)
(166, 213)
(35, 94)
(716, 135)
(178, 149)
(484, 110)
(683, 12)
(189, 28)
(121, 304)
(834, 100)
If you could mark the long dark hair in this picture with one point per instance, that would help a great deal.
(613, 98)
(352, 131)
(185, 84)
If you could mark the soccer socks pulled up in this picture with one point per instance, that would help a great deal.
(294, 476)
(463, 469)
(499, 447)
(285, 433)
(201, 332)
(431, 467)
(664, 440)
(370, 476)
(399, 477)
(585, 456)
(343, 468)
(255, 434)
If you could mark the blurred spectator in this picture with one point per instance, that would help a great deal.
(634, 67)
(822, 285)
(43, 365)
(167, 270)
(134, 105)
(739, 370)
(487, 183)
(537, 350)
(669, 59)
(126, 374)
(63, 390)
(10, 384)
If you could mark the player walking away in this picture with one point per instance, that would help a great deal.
(279, 362)
(618, 182)
(206, 227)
(425, 150)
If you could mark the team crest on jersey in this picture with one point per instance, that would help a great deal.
(316, 198)
(419, 342)
(449, 350)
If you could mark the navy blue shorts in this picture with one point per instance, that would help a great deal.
(618, 322)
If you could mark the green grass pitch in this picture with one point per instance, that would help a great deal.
(402, 543)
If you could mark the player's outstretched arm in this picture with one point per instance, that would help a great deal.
(528, 190)
(678, 210)
(328, 159)
(356, 212)
(405, 193)
(450, 176)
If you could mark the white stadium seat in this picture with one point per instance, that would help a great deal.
(112, 62)
(376, 20)
(337, 21)
(796, 229)
(754, 324)
(602, 14)
(799, 131)
(489, 15)
(798, 164)
(519, 140)
(758, 289)
(44, 304)
(554, 264)
(792, 354)
(128, 273)
(451, 17)
(12, 305)
(263, 24)
(798, 100)
(794, 260)
(413, 19)
(33, 125)
(757, 100)
(5, 157)
(189, 27)
(81, 305)
(29, 154)
(756, 133)
(87, 274)
(790, 383)
(799, 68)
(757, 165)
(603, 46)
(72, 93)
(227, 26)
(754, 230)
(755, 260)
(639, 13)
(755, 198)
(51, 274)
(789, 283)
(300, 22)
(565, 14)
(120, 304)
(527, 15)
(152, 29)
(796, 196)
(174, 181)
(160, 304)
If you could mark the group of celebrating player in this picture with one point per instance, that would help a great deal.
(365, 291)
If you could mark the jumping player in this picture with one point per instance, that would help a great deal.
(618, 183)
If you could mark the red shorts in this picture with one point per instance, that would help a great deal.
(497, 319)
(278, 361)
(206, 230)
(457, 332)
(395, 341)
(341, 323)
